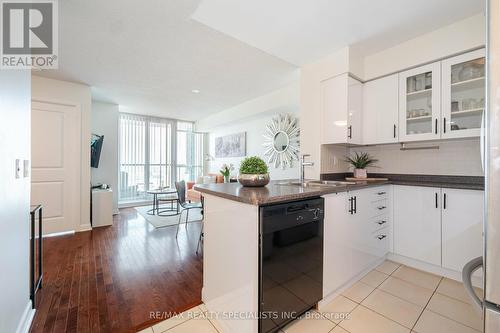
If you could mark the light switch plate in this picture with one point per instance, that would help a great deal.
(18, 168)
(26, 168)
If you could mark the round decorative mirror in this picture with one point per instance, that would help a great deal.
(282, 141)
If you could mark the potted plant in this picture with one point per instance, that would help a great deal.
(360, 161)
(253, 172)
(226, 171)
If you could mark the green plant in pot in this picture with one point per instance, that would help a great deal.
(253, 172)
(360, 161)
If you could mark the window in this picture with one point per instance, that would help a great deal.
(147, 146)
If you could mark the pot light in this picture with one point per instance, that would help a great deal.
(195, 91)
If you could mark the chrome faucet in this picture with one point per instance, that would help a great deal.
(303, 164)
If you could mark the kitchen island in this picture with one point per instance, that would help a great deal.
(232, 236)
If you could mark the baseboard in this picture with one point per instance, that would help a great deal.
(26, 320)
(477, 281)
(56, 234)
(85, 227)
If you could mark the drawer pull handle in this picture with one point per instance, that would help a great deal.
(381, 207)
(381, 222)
(381, 193)
(380, 237)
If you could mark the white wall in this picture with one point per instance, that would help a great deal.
(15, 138)
(56, 91)
(105, 119)
(252, 117)
(455, 38)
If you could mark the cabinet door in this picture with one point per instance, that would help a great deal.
(334, 93)
(463, 92)
(420, 103)
(462, 223)
(354, 111)
(417, 223)
(337, 263)
(380, 110)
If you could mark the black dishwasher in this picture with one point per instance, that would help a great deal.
(291, 261)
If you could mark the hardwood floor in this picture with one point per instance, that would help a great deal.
(112, 278)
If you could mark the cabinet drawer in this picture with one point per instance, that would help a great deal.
(378, 193)
(378, 208)
(379, 222)
(380, 242)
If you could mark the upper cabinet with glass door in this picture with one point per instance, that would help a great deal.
(420, 103)
(463, 94)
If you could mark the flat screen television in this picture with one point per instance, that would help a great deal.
(95, 149)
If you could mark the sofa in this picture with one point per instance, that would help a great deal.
(211, 178)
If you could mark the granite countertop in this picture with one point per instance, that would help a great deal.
(276, 192)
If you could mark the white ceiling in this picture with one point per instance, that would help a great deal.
(147, 56)
(301, 31)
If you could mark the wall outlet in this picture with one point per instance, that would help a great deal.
(26, 168)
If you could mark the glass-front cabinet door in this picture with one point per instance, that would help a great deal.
(463, 94)
(420, 103)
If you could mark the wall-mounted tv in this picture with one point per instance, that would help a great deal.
(95, 149)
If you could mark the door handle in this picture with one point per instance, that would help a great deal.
(381, 207)
(381, 222)
(381, 193)
(350, 132)
(380, 237)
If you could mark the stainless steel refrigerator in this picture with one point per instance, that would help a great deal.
(489, 303)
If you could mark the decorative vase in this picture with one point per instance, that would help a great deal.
(226, 179)
(254, 180)
(360, 173)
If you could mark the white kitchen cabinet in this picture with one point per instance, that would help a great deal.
(417, 223)
(463, 95)
(380, 110)
(420, 103)
(338, 267)
(354, 237)
(341, 110)
(462, 223)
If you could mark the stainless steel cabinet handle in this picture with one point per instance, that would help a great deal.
(394, 130)
(355, 205)
(436, 126)
(381, 207)
(351, 209)
(444, 201)
(381, 193)
(381, 222)
(444, 125)
(380, 237)
(350, 132)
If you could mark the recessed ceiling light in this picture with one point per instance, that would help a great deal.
(195, 91)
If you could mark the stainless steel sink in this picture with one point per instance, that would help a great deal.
(316, 183)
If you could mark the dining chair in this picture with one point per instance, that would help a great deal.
(186, 206)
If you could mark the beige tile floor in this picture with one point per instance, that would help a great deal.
(390, 299)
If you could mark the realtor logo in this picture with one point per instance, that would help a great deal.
(29, 34)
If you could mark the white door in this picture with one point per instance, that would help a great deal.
(380, 110)
(334, 93)
(463, 94)
(462, 223)
(420, 103)
(417, 223)
(55, 155)
(338, 243)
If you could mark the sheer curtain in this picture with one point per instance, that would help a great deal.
(154, 153)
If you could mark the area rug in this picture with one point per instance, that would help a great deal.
(168, 221)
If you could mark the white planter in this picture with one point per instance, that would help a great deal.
(360, 173)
